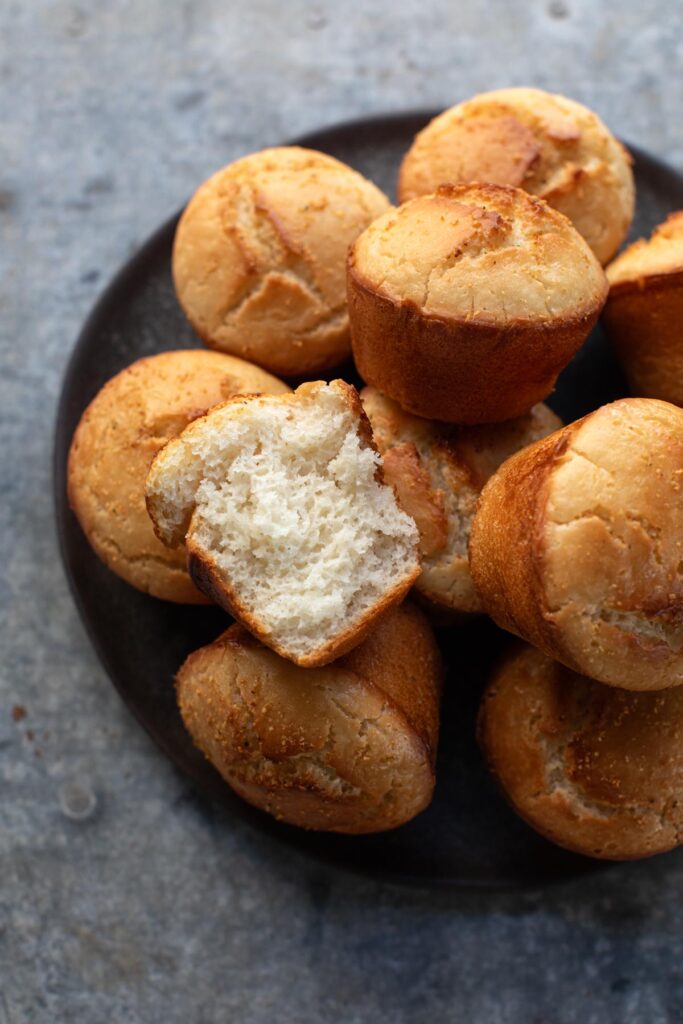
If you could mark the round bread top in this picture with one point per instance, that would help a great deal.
(594, 768)
(121, 431)
(612, 538)
(437, 471)
(662, 253)
(480, 254)
(347, 748)
(546, 144)
(260, 254)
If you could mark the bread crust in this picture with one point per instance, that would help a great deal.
(595, 769)
(349, 748)
(660, 254)
(127, 423)
(456, 371)
(464, 367)
(644, 322)
(208, 579)
(599, 590)
(505, 550)
(546, 144)
(438, 475)
(258, 257)
(643, 316)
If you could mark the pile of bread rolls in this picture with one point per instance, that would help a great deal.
(311, 514)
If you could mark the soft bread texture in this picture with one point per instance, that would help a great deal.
(259, 257)
(644, 312)
(577, 545)
(465, 305)
(289, 525)
(438, 472)
(593, 768)
(347, 748)
(120, 432)
(548, 145)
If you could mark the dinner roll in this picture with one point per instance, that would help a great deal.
(289, 524)
(596, 769)
(577, 545)
(644, 312)
(438, 471)
(259, 257)
(120, 432)
(548, 145)
(347, 748)
(465, 305)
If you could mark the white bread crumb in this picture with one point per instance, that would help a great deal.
(283, 499)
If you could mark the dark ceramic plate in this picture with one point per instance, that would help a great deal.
(468, 837)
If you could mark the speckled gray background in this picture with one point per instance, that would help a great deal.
(122, 897)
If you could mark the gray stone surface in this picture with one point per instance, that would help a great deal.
(122, 897)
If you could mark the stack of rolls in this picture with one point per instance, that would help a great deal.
(310, 515)
(577, 548)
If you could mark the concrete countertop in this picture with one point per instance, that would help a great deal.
(123, 897)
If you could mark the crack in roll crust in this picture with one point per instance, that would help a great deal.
(124, 427)
(466, 304)
(349, 748)
(259, 257)
(577, 545)
(550, 146)
(438, 472)
(644, 312)
(596, 769)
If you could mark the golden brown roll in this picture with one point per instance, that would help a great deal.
(644, 312)
(260, 252)
(548, 145)
(120, 432)
(593, 768)
(346, 748)
(465, 305)
(438, 471)
(577, 545)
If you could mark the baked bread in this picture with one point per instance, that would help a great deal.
(548, 145)
(577, 545)
(593, 768)
(346, 748)
(289, 525)
(120, 432)
(260, 252)
(465, 305)
(644, 312)
(437, 471)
